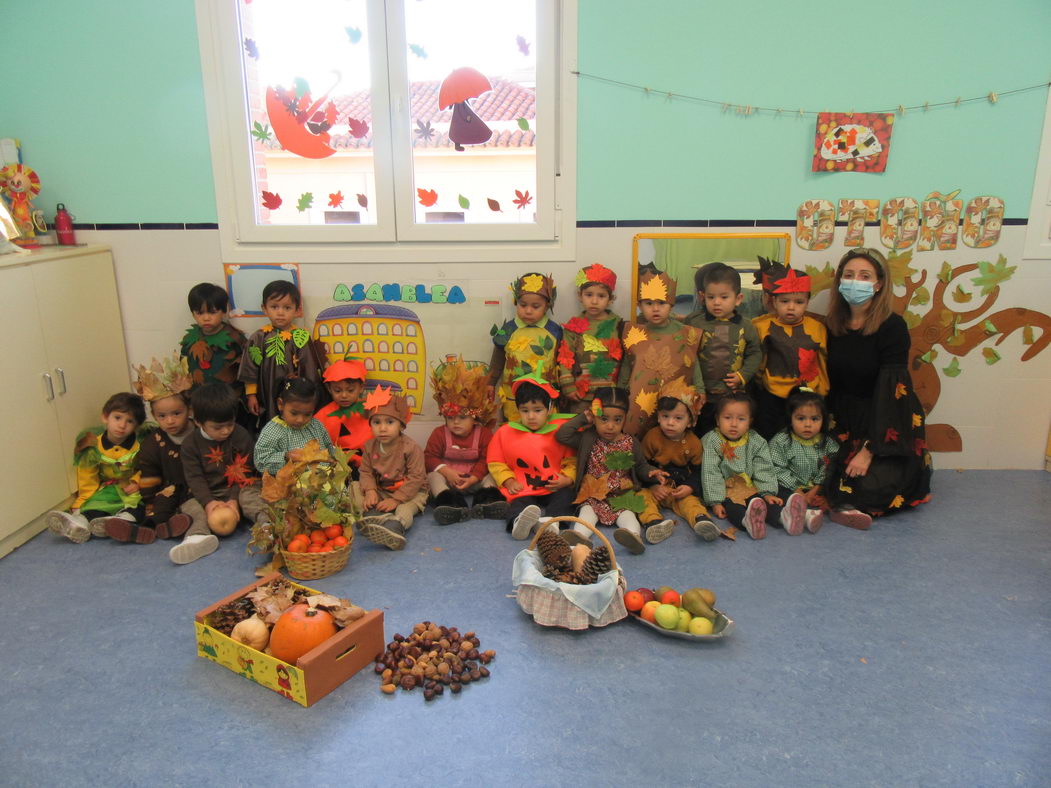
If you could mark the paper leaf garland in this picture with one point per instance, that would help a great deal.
(953, 369)
(523, 124)
(653, 289)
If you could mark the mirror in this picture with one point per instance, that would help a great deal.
(681, 254)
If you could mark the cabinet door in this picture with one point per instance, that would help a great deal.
(80, 317)
(35, 460)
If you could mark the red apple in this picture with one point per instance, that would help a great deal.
(647, 594)
(670, 598)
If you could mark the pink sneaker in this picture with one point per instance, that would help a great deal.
(793, 514)
(852, 518)
(755, 518)
(815, 518)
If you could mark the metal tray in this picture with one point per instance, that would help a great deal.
(722, 627)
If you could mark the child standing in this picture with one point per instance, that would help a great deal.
(454, 456)
(795, 348)
(657, 349)
(801, 454)
(590, 351)
(277, 351)
(293, 429)
(212, 347)
(393, 480)
(344, 417)
(165, 385)
(217, 462)
(674, 448)
(737, 474)
(729, 353)
(532, 468)
(611, 470)
(527, 343)
(107, 479)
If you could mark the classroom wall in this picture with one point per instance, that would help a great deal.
(107, 100)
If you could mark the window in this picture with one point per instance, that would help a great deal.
(337, 348)
(398, 348)
(384, 365)
(396, 329)
(399, 365)
(424, 130)
(381, 328)
(382, 345)
(411, 349)
(412, 366)
(351, 328)
(322, 330)
(366, 347)
(410, 330)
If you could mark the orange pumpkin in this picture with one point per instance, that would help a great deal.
(299, 630)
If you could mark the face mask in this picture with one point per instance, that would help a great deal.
(856, 292)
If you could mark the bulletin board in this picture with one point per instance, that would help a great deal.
(245, 283)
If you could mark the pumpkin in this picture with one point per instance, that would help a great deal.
(253, 632)
(299, 630)
(223, 520)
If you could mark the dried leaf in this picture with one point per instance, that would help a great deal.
(619, 460)
(596, 487)
(630, 501)
(730, 533)
(739, 488)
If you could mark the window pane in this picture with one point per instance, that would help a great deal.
(471, 67)
(307, 84)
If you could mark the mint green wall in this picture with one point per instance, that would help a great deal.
(109, 105)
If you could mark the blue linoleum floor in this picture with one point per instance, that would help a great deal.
(918, 653)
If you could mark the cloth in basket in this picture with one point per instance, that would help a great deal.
(565, 604)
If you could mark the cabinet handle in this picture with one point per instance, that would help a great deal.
(50, 386)
(61, 379)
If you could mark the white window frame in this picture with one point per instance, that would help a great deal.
(400, 238)
(1038, 228)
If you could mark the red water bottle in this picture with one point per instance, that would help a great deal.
(64, 226)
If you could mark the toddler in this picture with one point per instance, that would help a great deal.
(737, 474)
(656, 349)
(526, 343)
(674, 448)
(107, 478)
(729, 353)
(795, 347)
(393, 479)
(455, 453)
(293, 429)
(212, 347)
(610, 470)
(590, 351)
(344, 417)
(535, 472)
(801, 454)
(217, 463)
(278, 351)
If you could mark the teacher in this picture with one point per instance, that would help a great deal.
(883, 465)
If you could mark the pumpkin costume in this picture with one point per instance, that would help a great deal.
(347, 427)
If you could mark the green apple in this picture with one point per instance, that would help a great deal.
(699, 625)
(684, 621)
(667, 616)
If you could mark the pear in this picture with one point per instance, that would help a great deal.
(694, 601)
(709, 596)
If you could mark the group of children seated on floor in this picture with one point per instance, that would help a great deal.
(615, 422)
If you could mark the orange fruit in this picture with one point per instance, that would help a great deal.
(333, 531)
(649, 609)
(340, 541)
(315, 548)
(670, 598)
(297, 546)
(634, 601)
(326, 548)
(318, 537)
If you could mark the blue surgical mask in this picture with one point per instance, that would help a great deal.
(856, 292)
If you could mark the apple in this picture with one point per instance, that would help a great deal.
(647, 594)
(633, 600)
(670, 597)
(648, 610)
(666, 616)
(660, 592)
(684, 621)
(699, 625)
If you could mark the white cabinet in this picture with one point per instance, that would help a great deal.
(64, 358)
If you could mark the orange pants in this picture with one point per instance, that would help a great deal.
(689, 508)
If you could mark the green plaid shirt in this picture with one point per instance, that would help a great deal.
(799, 463)
(277, 439)
(723, 459)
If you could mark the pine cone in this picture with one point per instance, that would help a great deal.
(554, 551)
(597, 563)
(228, 616)
(566, 577)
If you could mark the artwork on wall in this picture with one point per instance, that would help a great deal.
(941, 221)
(856, 213)
(852, 141)
(245, 283)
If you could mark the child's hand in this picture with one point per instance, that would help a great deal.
(130, 488)
(253, 404)
(466, 482)
(559, 482)
(386, 505)
(660, 493)
(773, 499)
(719, 511)
(681, 492)
(589, 417)
(451, 476)
(732, 381)
(514, 486)
(659, 475)
(371, 498)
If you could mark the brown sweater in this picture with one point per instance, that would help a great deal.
(394, 471)
(160, 462)
(206, 477)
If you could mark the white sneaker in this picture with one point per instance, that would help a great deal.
(755, 518)
(814, 520)
(658, 532)
(193, 547)
(706, 529)
(523, 525)
(793, 514)
(97, 526)
(72, 526)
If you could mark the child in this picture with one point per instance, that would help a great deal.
(590, 351)
(737, 474)
(795, 348)
(165, 385)
(656, 349)
(277, 351)
(393, 480)
(217, 462)
(674, 448)
(107, 479)
(532, 468)
(801, 454)
(212, 347)
(455, 453)
(344, 417)
(729, 354)
(293, 429)
(524, 344)
(611, 468)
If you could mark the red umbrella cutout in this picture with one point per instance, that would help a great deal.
(299, 125)
(457, 89)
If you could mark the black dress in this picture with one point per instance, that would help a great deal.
(872, 399)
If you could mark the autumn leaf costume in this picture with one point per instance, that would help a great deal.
(214, 357)
(590, 352)
(271, 355)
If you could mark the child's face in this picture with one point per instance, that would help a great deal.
(806, 421)
(734, 420)
(119, 425)
(296, 414)
(531, 307)
(654, 312)
(209, 321)
(720, 299)
(533, 415)
(281, 311)
(791, 307)
(460, 425)
(385, 428)
(345, 392)
(594, 300)
(219, 430)
(610, 425)
(674, 423)
(172, 414)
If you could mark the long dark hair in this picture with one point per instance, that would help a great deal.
(799, 397)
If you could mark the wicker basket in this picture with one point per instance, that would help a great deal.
(546, 600)
(311, 566)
